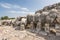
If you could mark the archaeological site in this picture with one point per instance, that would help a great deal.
(44, 24)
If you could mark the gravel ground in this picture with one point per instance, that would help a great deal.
(8, 33)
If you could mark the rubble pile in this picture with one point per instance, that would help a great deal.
(46, 19)
(44, 22)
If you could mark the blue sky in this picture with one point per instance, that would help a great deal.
(14, 8)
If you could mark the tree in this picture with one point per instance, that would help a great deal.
(5, 17)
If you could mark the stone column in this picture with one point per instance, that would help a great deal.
(38, 27)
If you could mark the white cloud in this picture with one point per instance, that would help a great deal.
(19, 13)
(25, 9)
(15, 10)
(22, 12)
(5, 5)
(13, 6)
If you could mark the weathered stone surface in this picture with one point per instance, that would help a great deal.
(49, 15)
(30, 18)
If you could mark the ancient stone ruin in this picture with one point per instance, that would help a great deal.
(46, 20)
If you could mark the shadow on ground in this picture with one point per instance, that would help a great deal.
(43, 34)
